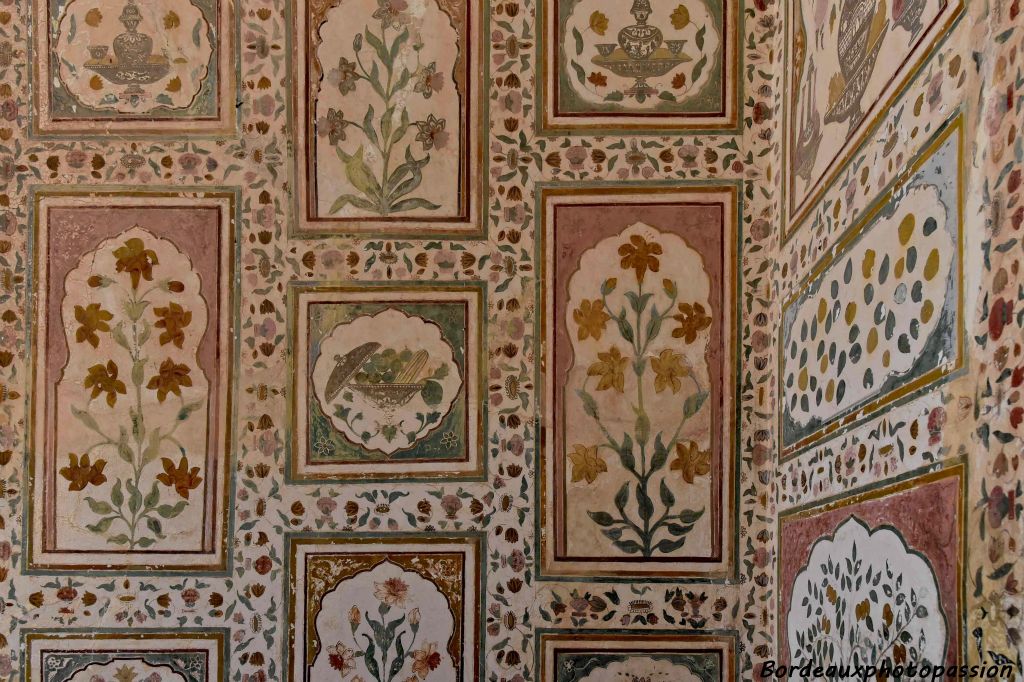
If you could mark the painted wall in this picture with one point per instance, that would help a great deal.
(507, 340)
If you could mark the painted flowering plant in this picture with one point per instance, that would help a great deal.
(386, 642)
(381, 185)
(640, 523)
(131, 512)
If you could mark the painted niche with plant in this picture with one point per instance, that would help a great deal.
(637, 416)
(388, 110)
(131, 428)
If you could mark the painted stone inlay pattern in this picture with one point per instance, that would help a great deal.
(654, 656)
(132, 67)
(640, 64)
(644, 324)
(394, 609)
(864, 582)
(389, 381)
(132, 444)
(123, 656)
(845, 58)
(883, 314)
(390, 116)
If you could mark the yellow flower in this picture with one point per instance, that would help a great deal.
(171, 377)
(691, 461)
(586, 463)
(591, 318)
(640, 256)
(103, 379)
(692, 319)
(680, 17)
(598, 23)
(610, 368)
(135, 259)
(668, 368)
(181, 478)
(173, 319)
(81, 473)
(92, 318)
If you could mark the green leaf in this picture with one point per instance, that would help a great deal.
(359, 174)
(698, 69)
(368, 130)
(667, 498)
(103, 525)
(660, 455)
(377, 45)
(628, 546)
(85, 418)
(578, 38)
(134, 497)
(666, 546)
(152, 448)
(642, 428)
(145, 542)
(98, 507)
(155, 526)
(116, 495)
(678, 529)
(621, 498)
(346, 199)
(410, 204)
(432, 392)
(645, 503)
(589, 404)
(626, 453)
(694, 403)
(581, 75)
(396, 46)
(601, 518)
(654, 324)
(124, 451)
(624, 328)
(168, 511)
(121, 539)
(153, 497)
(690, 516)
(700, 40)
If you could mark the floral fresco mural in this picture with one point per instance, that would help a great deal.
(407, 255)
(391, 120)
(643, 321)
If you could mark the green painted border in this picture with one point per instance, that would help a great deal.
(653, 131)
(482, 573)
(154, 633)
(733, 572)
(481, 231)
(482, 287)
(733, 634)
(229, 522)
(182, 125)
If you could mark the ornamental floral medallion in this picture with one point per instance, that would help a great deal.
(131, 437)
(898, 328)
(124, 656)
(390, 115)
(605, 656)
(387, 381)
(643, 323)
(845, 59)
(645, 63)
(385, 609)
(135, 66)
(875, 576)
